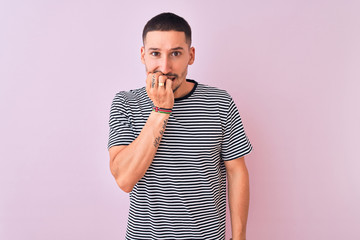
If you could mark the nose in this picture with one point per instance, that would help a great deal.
(165, 65)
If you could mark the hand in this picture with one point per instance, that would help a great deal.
(161, 96)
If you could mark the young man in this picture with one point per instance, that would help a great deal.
(173, 142)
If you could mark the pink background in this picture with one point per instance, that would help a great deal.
(293, 68)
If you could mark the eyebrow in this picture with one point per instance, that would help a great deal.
(157, 49)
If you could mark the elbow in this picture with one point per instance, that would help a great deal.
(124, 185)
(122, 181)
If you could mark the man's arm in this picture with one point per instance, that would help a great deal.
(238, 192)
(128, 164)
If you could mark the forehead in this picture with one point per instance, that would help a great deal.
(165, 39)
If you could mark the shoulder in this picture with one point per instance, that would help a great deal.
(212, 93)
(131, 94)
(126, 97)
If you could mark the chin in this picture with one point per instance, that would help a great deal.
(176, 87)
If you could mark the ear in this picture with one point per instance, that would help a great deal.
(192, 56)
(143, 55)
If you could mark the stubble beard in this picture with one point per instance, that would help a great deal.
(176, 88)
(183, 76)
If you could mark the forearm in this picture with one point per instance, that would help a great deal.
(132, 162)
(239, 196)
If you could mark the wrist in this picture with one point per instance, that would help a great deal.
(241, 236)
(162, 110)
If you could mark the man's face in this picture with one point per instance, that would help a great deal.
(168, 52)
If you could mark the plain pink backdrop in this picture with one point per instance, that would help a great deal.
(293, 68)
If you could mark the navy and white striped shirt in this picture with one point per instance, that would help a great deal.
(183, 193)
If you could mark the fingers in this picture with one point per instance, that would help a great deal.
(159, 89)
(162, 82)
(154, 80)
(168, 84)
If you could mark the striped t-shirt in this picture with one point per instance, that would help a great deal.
(183, 193)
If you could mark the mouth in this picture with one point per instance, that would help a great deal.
(172, 78)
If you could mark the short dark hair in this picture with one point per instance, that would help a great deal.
(168, 22)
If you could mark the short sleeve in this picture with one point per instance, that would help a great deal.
(235, 143)
(121, 130)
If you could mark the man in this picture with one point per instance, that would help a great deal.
(173, 142)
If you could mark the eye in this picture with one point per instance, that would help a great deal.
(176, 53)
(155, 54)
